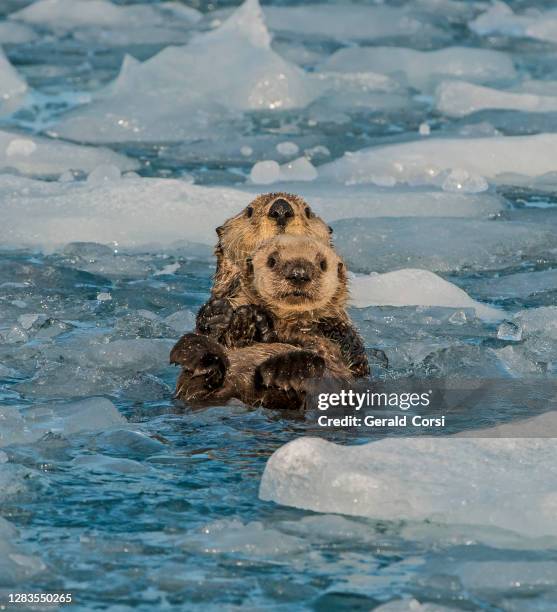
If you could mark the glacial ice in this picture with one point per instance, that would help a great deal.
(505, 483)
(440, 244)
(121, 212)
(183, 92)
(38, 156)
(499, 18)
(424, 69)
(505, 159)
(12, 86)
(111, 24)
(15, 33)
(458, 99)
(414, 287)
(353, 22)
(333, 201)
(27, 426)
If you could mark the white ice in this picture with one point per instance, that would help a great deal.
(25, 427)
(440, 244)
(424, 69)
(504, 483)
(183, 92)
(269, 171)
(352, 22)
(458, 99)
(459, 164)
(113, 25)
(15, 33)
(414, 287)
(499, 18)
(12, 86)
(121, 212)
(35, 155)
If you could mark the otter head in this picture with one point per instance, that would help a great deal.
(269, 215)
(294, 274)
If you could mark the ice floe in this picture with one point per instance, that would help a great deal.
(454, 164)
(12, 87)
(440, 244)
(349, 22)
(414, 287)
(25, 427)
(458, 99)
(505, 483)
(424, 69)
(15, 33)
(35, 155)
(183, 92)
(499, 18)
(111, 24)
(120, 212)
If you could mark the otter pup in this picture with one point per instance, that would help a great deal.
(268, 215)
(295, 290)
(292, 297)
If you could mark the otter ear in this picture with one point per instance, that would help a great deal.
(220, 231)
(330, 229)
(341, 271)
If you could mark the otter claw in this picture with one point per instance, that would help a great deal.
(290, 370)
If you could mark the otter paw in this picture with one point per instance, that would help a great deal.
(290, 371)
(249, 324)
(214, 317)
(202, 359)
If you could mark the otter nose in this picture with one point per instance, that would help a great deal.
(281, 211)
(299, 273)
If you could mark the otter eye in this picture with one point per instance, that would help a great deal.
(249, 211)
(308, 212)
(323, 265)
(271, 262)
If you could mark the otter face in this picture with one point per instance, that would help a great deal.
(294, 273)
(269, 215)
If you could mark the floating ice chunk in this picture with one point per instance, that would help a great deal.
(104, 173)
(509, 331)
(15, 33)
(119, 212)
(182, 321)
(25, 427)
(539, 321)
(424, 129)
(519, 285)
(348, 22)
(500, 19)
(265, 172)
(100, 20)
(44, 157)
(392, 478)
(288, 148)
(103, 463)
(300, 169)
(457, 99)
(414, 287)
(411, 605)
(103, 296)
(183, 92)
(429, 161)
(440, 245)
(333, 201)
(424, 69)
(12, 86)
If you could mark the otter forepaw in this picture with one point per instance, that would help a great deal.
(204, 364)
(249, 324)
(214, 317)
(290, 371)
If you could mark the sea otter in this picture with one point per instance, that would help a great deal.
(268, 215)
(289, 304)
